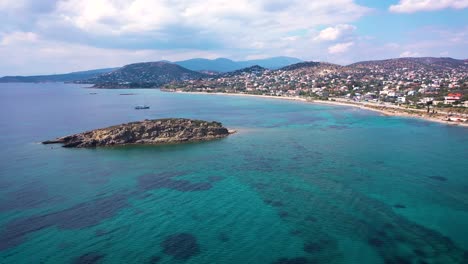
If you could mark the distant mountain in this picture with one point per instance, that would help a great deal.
(271, 63)
(219, 65)
(144, 75)
(67, 77)
(227, 65)
(205, 66)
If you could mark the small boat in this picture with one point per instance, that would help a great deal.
(139, 107)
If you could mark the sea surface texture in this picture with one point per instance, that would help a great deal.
(299, 183)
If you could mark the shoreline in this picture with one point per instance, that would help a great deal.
(387, 112)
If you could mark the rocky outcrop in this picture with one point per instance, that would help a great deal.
(159, 131)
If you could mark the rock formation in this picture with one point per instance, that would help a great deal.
(159, 131)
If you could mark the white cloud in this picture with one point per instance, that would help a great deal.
(34, 55)
(74, 35)
(444, 53)
(116, 17)
(234, 29)
(12, 4)
(340, 47)
(409, 54)
(333, 33)
(411, 6)
(233, 23)
(124, 16)
(15, 37)
(392, 45)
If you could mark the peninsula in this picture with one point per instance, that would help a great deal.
(158, 131)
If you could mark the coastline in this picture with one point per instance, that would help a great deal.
(385, 110)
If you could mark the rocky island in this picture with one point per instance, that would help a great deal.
(158, 131)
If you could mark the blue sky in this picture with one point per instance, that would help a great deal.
(56, 36)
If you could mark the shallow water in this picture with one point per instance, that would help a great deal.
(299, 183)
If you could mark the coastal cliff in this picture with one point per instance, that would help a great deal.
(159, 131)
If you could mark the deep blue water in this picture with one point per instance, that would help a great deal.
(299, 183)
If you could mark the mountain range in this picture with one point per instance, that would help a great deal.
(216, 65)
(227, 65)
(156, 74)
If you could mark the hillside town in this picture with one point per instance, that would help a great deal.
(410, 83)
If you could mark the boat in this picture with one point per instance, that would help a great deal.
(139, 107)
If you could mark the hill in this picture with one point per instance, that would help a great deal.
(249, 70)
(206, 66)
(144, 75)
(67, 77)
(412, 63)
(307, 64)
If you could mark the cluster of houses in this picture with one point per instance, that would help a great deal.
(378, 83)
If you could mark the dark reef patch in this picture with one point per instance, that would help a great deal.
(438, 178)
(398, 260)
(401, 238)
(400, 206)
(79, 216)
(89, 258)
(274, 203)
(311, 219)
(419, 253)
(295, 232)
(104, 232)
(314, 247)
(283, 214)
(101, 232)
(29, 196)
(165, 180)
(223, 237)
(181, 246)
(299, 260)
(261, 185)
(375, 242)
(89, 213)
(382, 233)
(154, 260)
(388, 226)
(215, 178)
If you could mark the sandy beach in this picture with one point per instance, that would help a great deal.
(385, 110)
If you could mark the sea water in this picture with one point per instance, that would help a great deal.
(298, 183)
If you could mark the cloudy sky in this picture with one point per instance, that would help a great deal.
(56, 36)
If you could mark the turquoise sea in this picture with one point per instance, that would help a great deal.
(299, 183)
